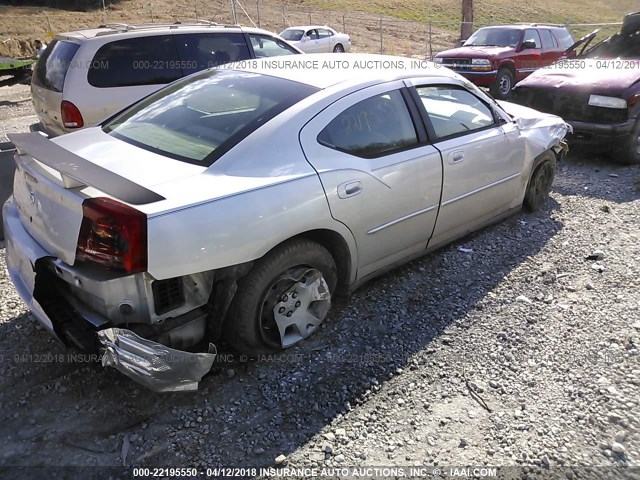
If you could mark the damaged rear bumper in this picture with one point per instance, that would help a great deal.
(150, 363)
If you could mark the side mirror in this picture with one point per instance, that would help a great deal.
(304, 38)
(462, 42)
(527, 44)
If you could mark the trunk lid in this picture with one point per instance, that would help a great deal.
(54, 177)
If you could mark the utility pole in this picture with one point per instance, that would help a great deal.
(466, 27)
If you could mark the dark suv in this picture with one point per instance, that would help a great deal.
(598, 93)
(498, 57)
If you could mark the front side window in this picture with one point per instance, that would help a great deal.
(264, 46)
(52, 67)
(198, 119)
(532, 35)
(377, 126)
(199, 51)
(151, 60)
(454, 111)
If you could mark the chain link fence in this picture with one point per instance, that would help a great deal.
(369, 33)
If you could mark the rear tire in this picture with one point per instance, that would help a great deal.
(278, 292)
(540, 183)
(501, 88)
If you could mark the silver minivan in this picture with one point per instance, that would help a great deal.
(84, 77)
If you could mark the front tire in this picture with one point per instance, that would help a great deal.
(501, 88)
(540, 183)
(283, 299)
(338, 48)
(629, 153)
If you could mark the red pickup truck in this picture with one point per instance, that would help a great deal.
(498, 57)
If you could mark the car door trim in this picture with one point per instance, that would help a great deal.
(401, 219)
(477, 190)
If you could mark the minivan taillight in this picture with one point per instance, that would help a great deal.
(114, 235)
(71, 116)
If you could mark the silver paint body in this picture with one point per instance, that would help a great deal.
(276, 184)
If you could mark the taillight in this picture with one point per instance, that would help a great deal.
(71, 116)
(114, 235)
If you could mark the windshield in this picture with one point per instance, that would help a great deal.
(198, 119)
(292, 35)
(495, 37)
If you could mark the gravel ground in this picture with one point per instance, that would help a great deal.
(517, 352)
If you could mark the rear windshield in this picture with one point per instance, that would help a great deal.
(198, 119)
(51, 69)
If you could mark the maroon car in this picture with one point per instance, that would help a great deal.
(497, 57)
(598, 93)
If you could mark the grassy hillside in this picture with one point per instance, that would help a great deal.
(20, 25)
(485, 11)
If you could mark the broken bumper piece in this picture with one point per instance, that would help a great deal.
(152, 364)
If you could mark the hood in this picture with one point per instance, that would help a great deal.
(610, 75)
(541, 131)
(475, 52)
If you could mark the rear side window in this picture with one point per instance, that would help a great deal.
(53, 65)
(377, 126)
(269, 47)
(564, 38)
(135, 61)
(548, 42)
(200, 51)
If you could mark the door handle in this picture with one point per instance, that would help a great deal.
(349, 189)
(456, 157)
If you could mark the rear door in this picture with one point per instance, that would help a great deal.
(325, 42)
(48, 82)
(483, 158)
(551, 51)
(381, 178)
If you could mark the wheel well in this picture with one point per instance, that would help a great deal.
(338, 249)
(508, 66)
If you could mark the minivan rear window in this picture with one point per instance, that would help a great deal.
(198, 119)
(51, 69)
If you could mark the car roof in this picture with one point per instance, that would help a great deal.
(522, 26)
(332, 70)
(125, 30)
(305, 27)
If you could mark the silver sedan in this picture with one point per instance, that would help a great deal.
(239, 202)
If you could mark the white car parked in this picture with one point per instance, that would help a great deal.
(239, 202)
(317, 39)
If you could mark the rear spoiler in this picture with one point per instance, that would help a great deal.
(81, 170)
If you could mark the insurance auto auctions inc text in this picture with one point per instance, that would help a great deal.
(313, 64)
(378, 472)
